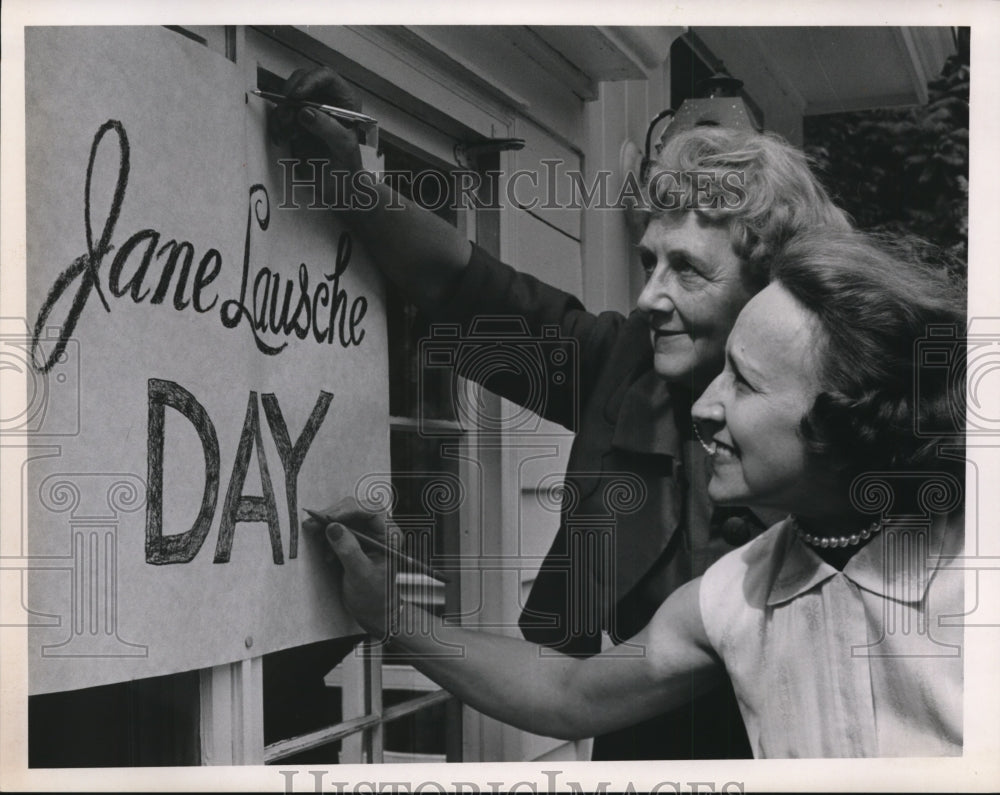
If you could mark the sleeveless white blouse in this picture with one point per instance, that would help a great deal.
(863, 662)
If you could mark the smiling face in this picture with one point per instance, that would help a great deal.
(693, 294)
(751, 413)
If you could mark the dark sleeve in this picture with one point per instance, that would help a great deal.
(523, 339)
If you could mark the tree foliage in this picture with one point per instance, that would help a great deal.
(904, 170)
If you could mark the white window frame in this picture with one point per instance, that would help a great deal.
(232, 719)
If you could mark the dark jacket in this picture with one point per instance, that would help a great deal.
(626, 483)
(631, 529)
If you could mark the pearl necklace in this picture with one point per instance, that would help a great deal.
(827, 542)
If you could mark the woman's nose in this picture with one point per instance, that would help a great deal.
(708, 410)
(654, 296)
(707, 418)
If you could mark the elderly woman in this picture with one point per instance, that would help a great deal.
(826, 624)
(705, 251)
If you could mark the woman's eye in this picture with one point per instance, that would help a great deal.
(648, 260)
(682, 266)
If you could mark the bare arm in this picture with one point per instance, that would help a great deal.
(535, 689)
(415, 249)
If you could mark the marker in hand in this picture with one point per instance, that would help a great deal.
(331, 110)
(416, 565)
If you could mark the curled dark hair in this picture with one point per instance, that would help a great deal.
(877, 300)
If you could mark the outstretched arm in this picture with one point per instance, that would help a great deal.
(429, 261)
(533, 688)
(419, 252)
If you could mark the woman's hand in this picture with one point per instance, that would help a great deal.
(350, 512)
(314, 135)
(365, 590)
(422, 254)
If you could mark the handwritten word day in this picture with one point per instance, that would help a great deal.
(305, 308)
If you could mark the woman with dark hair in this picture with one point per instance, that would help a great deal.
(817, 414)
(834, 624)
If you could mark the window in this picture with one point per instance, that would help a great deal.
(144, 723)
(377, 707)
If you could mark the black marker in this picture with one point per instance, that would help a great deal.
(415, 564)
(331, 110)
